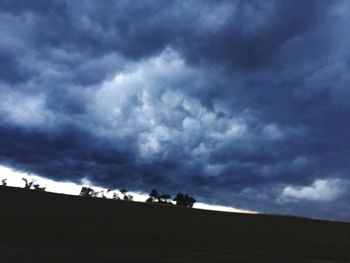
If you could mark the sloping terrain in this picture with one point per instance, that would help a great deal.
(46, 227)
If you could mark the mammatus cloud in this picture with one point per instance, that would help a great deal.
(235, 102)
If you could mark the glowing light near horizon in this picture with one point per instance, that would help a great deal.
(221, 208)
(14, 178)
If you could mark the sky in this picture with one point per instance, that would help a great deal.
(238, 103)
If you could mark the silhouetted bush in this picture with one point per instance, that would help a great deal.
(184, 200)
(38, 188)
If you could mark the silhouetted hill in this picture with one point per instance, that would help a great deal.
(46, 227)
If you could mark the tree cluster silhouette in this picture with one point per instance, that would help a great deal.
(32, 185)
(154, 196)
(90, 192)
(184, 200)
(87, 192)
(180, 199)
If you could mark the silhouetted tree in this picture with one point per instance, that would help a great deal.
(126, 196)
(184, 200)
(154, 193)
(164, 198)
(4, 182)
(153, 196)
(87, 192)
(123, 191)
(28, 184)
(115, 196)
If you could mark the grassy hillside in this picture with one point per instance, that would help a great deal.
(46, 227)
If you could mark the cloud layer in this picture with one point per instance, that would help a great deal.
(241, 103)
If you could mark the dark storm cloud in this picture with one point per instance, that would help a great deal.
(243, 103)
(64, 154)
(10, 70)
(253, 34)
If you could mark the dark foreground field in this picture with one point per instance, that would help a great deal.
(44, 227)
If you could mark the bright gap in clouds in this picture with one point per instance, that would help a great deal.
(14, 178)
